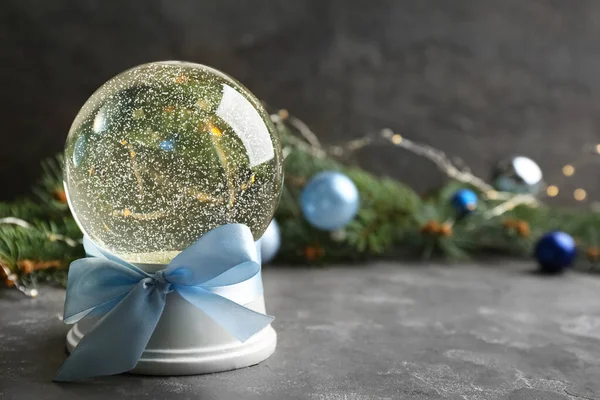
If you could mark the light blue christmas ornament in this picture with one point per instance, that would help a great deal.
(270, 242)
(167, 145)
(329, 201)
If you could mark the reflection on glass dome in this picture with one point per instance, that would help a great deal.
(247, 123)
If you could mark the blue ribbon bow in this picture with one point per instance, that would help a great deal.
(134, 300)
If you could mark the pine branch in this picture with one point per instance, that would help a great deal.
(39, 237)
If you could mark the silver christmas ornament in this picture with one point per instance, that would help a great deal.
(518, 175)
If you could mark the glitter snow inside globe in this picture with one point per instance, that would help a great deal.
(165, 152)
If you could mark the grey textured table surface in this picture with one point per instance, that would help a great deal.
(494, 331)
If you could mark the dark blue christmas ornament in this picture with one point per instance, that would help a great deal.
(464, 201)
(270, 242)
(329, 201)
(555, 251)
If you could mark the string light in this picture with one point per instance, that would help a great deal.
(438, 157)
(579, 194)
(568, 170)
(30, 289)
(15, 221)
(552, 190)
(492, 195)
(451, 168)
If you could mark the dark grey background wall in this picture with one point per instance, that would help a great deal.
(481, 79)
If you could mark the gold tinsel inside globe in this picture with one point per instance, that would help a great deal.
(165, 152)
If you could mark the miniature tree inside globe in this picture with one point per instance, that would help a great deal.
(165, 152)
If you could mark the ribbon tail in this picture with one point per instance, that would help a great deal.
(238, 320)
(118, 340)
(97, 311)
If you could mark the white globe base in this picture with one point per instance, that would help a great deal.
(188, 342)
